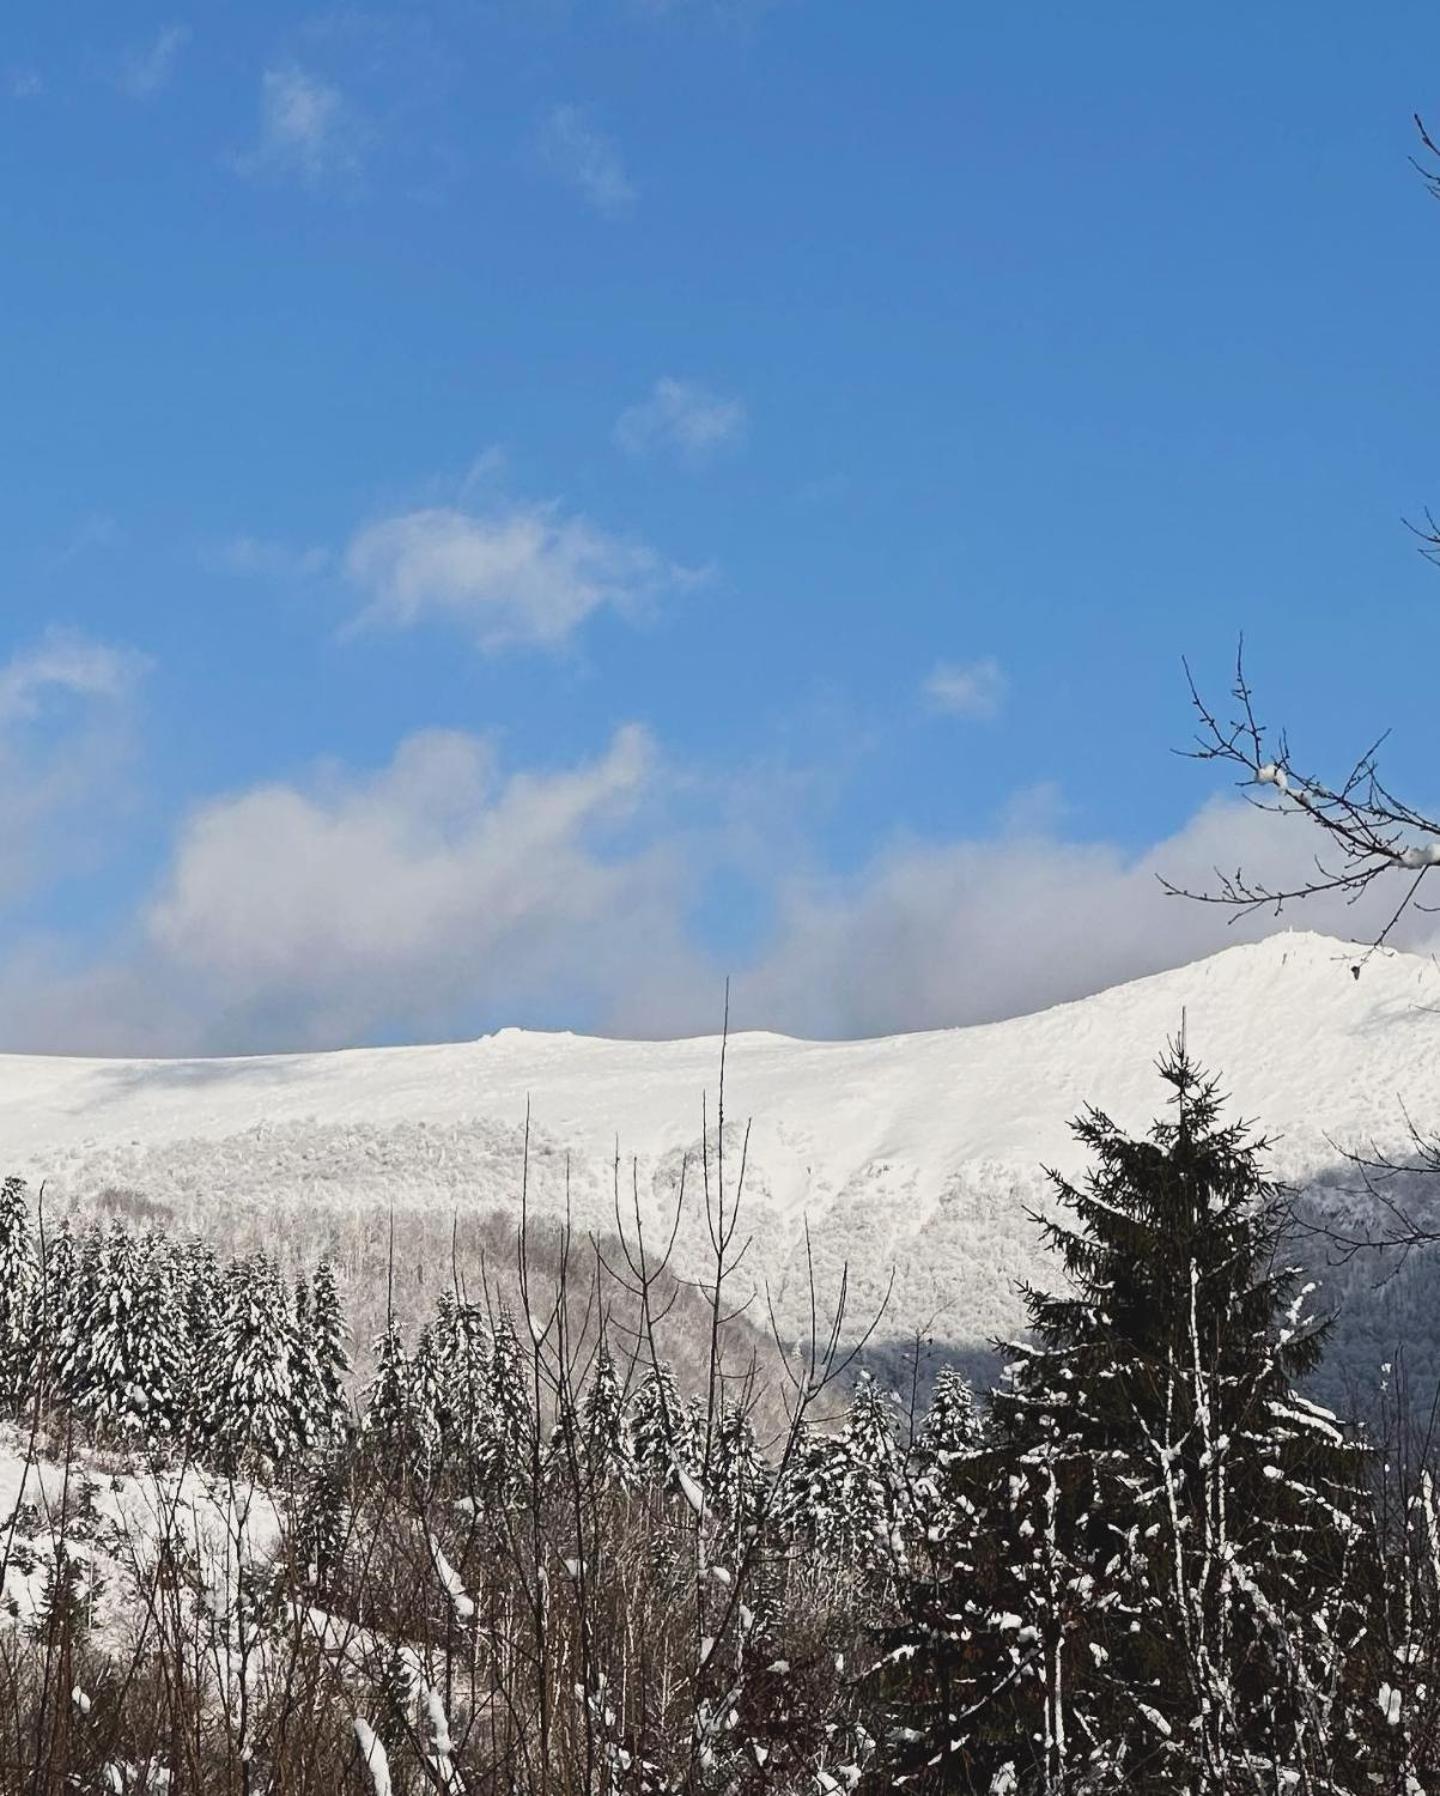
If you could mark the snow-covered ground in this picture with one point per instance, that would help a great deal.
(111, 1524)
(920, 1152)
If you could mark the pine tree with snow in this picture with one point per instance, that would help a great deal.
(156, 1364)
(102, 1353)
(462, 1344)
(739, 1477)
(951, 1427)
(870, 1495)
(507, 1449)
(604, 1427)
(198, 1284)
(329, 1361)
(57, 1300)
(1159, 1589)
(662, 1430)
(323, 1523)
(430, 1400)
(18, 1342)
(389, 1418)
(74, 1310)
(947, 1441)
(249, 1401)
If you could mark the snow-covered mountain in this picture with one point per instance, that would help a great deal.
(921, 1152)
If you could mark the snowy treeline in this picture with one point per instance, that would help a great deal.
(534, 1559)
(142, 1340)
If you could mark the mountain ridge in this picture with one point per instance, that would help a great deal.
(924, 1151)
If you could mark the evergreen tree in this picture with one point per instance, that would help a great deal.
(463, 1349)
(58, 1296)
(199, 1289)
(17, 1295)
(870, 1498)
(609, 1453)
(506, 1451)
(739, 1477)
(662, 1430)
(948, 1438)
(951, 1427)
(249, 1404)
(1156, 1594)
(74, 1361)
(104, 1348)
(390, 1418)
(430, 1400)
(329, 1361)
(156, 1369)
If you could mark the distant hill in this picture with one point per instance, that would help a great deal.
(921, 1153)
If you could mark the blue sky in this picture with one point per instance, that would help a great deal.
(515, 511)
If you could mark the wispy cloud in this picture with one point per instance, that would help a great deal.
(681, 418)
(65, 739)
(24, 84)
(518, 574)
(144, 71)
(64, 662)
(577, 152)
(974, 689)
(307, 131)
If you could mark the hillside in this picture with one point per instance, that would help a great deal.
(922, 1151)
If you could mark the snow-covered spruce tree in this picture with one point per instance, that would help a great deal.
(608, 1450)
(462, 1344)
(739, 1476)
(18, 1320)
(74, 1287)
(506, 1449)
(390, 1416)
(102, 1352)
(871, 1492)
(846, 1492)
(951, 1425)
(57, 1299)
(329, 1361)
(1158, 1595)
(662, 1430)
(157, 1368)
(948, 1439)
(248, 1400)
(429, 1400)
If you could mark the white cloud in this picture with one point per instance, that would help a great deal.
(682, 418)
(307, 130)
(577, 152)
(64, 662)
(526, 574)
(436, 890)
(65, 743)
(445, 891)
(146, 70)
(932, 934)
(24, 84)
(974, 689)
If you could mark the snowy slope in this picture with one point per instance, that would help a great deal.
(920, 1152)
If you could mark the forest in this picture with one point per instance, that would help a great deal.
(527, 1556)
